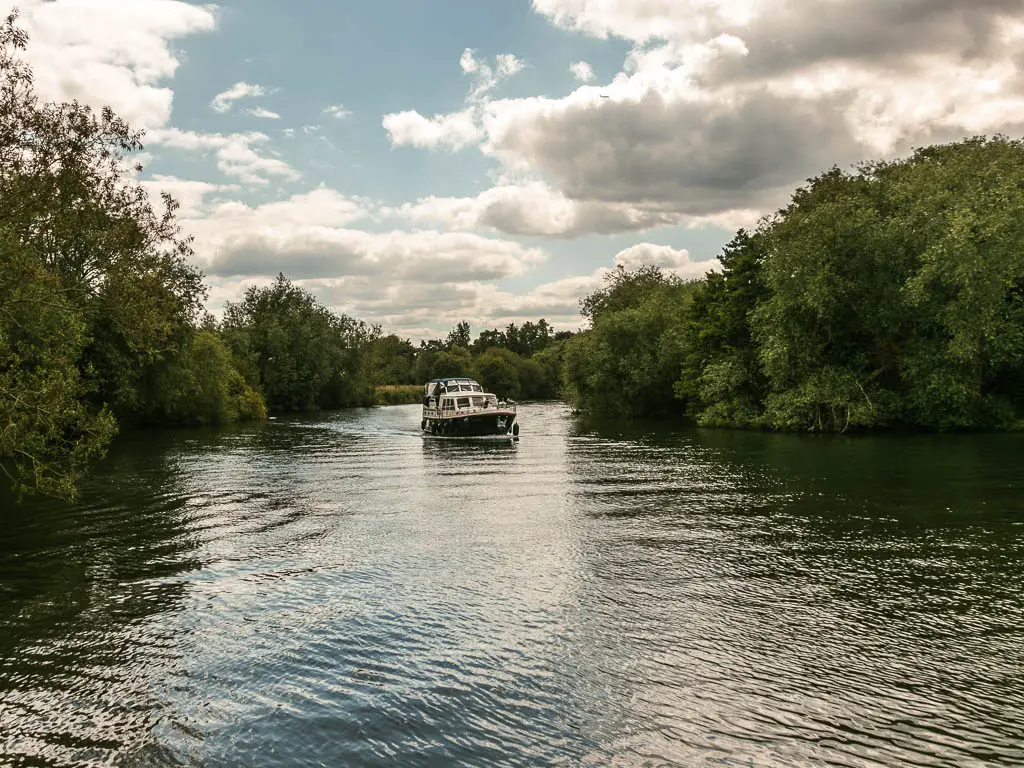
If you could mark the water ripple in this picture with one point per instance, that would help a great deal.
(341, 591)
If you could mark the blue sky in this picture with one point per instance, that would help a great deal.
(417, 204)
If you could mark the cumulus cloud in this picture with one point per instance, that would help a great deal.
(454, 130)
(190, 195)
(406, 280)
(236, 154)
(308, 236)
(668, 259)
(582, 71)
(222, 101)
(558, 301)
(110, 53)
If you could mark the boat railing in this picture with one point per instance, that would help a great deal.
(470, 410)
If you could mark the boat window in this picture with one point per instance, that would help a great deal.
(448, 404)
(464, 388)
(478, 401)
(463, 402)
(477, 388)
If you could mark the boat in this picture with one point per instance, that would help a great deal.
(459, 407)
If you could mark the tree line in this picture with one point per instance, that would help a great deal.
(517, 361)
(891, 295)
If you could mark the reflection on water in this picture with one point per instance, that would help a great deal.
(340, 590)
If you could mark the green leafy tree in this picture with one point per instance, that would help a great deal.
(499, 371)
(202, 385)
(50, 434)
(296, 352)
(391, 360)
(459, 336)
(627, 362)
(721, 379)
(894, 294)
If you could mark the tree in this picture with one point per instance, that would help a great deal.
(296, 352)
(202, 385)
(391, 360)
(459, 336)
(50, 434)
(498, 371)
(627, 362)
(623, 289)
(721, 379)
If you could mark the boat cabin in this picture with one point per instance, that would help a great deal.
(446, 397)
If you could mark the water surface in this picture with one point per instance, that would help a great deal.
(340, 591)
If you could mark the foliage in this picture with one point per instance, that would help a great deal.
(721, 379)
(459, 336)
(520, 361)
(49, 433)
(97, 289)
(627, 362)
(525, 340)
(498, 371)
(398, 394)
(391, 360)
(202, 386)
(894, 294)
(296, 352)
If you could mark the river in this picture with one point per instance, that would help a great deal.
(338, 590)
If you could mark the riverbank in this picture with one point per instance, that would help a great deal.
(397, 394)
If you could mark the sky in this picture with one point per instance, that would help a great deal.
(415, 163)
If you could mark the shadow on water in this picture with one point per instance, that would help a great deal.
(80, 588)
(861, 595)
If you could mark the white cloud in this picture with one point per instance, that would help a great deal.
(453, 131)
(403, 279)
(222, 101)
(263, 113)
(582, 71)
(190, 195)
(108, 53)
(532, 208)
(668, 259)
(338, 111)
(651, 19)
(507, 65)
(235, 153)
(308, 236)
